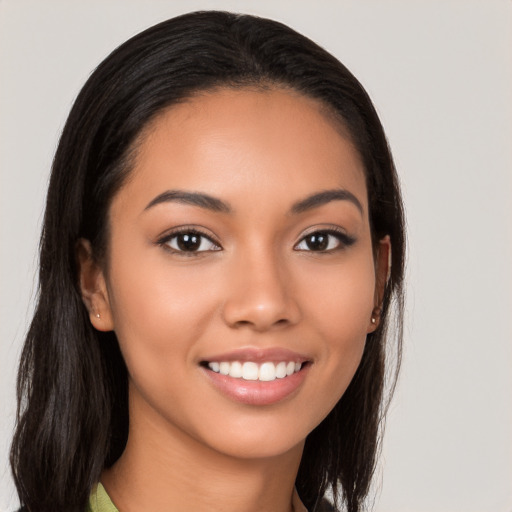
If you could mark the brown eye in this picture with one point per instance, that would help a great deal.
(190, 241)
(317, 241)
(324, 241)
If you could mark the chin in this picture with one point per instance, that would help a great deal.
(258, 438)
(259, 447)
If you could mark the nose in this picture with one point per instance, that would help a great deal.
(260, 295)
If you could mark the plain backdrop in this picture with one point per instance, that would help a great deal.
(440, 74)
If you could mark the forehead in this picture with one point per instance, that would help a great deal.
(231, 141)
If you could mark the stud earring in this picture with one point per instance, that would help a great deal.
(97, 315)
(375, 315)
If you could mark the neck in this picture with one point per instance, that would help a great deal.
(164, 469)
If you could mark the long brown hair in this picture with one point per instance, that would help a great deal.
(72, 382)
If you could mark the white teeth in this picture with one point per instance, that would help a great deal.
(249, 370)
(235, 370)
(267, 372)
(281, 369)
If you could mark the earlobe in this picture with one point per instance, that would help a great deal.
(374, 320)
(93, 287)
(382, 275)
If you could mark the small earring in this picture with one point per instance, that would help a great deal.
(374, 320)
(97, 315)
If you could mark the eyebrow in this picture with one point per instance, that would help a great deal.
(191, 198)
(217, 205)
(324, 197)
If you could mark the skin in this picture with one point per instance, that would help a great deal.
(258, 285)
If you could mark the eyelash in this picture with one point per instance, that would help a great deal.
(166, 239)
(343, 240)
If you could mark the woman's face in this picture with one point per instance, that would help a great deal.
(240, 279)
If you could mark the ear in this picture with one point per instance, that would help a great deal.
(382, 274)
(93, 287)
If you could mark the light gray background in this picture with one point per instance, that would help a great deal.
(440, 74)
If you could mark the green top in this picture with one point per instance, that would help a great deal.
(99, 501)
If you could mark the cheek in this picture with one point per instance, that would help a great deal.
(340, 304)
(157, 309)
(341, 298)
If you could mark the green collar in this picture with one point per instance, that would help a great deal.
(99, 501)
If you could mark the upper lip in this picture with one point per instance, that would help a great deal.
(258, 355)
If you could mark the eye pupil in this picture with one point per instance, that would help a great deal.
(188, 241)
(317, 241)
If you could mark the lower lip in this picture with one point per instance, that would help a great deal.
(255, 392)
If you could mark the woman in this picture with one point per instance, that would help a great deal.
(215, 281)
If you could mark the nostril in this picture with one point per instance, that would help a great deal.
(242, 323)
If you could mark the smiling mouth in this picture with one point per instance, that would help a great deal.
(251, 371)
